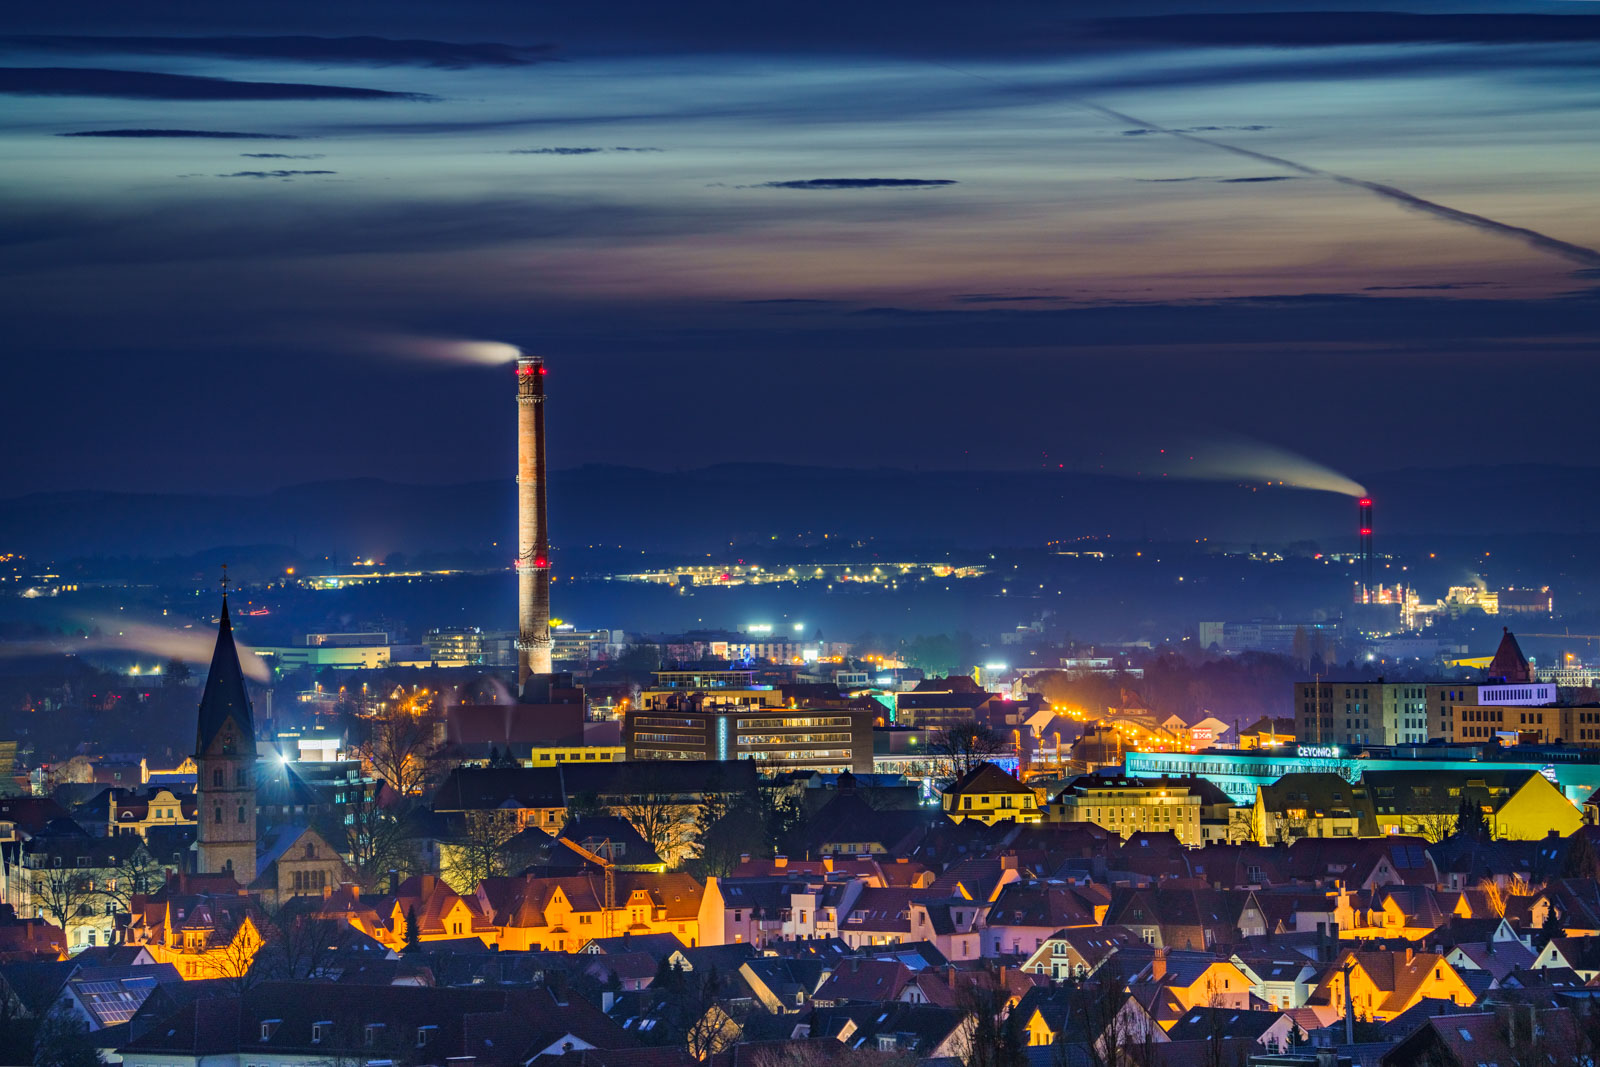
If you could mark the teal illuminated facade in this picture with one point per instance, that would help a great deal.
(1240, 773)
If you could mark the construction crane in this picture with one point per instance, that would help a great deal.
(608, 904)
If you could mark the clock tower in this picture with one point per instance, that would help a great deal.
(225, 753)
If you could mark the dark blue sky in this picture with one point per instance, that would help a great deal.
(233, 237)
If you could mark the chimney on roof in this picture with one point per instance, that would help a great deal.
(1158, 964)
(394, 882)
(780, 861)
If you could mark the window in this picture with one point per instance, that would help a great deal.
(217, 814)
(316, 1031)
(372, 1031)
(238, 777)
(216, 778)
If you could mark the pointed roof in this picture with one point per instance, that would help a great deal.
(224, 695)
(1509, 664)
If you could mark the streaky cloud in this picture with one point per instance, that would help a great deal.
(148, 85)
(374, 51)
(220, 135)
(856, 183)
(573, 151)
(279, 155)
(1333, 28)
(274, 173)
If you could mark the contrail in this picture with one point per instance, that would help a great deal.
(1588, 257)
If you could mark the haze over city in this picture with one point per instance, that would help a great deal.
(1004, 535)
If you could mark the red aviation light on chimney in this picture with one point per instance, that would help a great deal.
(1366, 531)
(1365, 502)
(540, 561)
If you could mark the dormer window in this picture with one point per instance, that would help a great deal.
(372, 1032)
(318, 1029)
(268, 1028)
(425, 1034)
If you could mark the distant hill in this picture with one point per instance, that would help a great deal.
(703, 509)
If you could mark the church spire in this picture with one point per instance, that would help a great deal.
(224, 696)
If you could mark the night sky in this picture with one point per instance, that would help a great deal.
(998, 235)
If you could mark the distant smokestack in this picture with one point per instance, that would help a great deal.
(1365, 550)
(533, 532)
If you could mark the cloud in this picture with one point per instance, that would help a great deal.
(1260, 178)
(1142, 131)
(1427, 288)
(998, 298)
(221, 135)
(147, 85)
(278, 155)
(377, 51)
(273, 173)
(562, 151)
(1574, 253)
(855, 183)
(1332, 28)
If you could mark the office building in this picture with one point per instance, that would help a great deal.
(702, 727)
(1361, 712)
(353, 651)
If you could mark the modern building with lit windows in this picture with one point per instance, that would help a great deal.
(782, 739)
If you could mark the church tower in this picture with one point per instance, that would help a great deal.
(225, 752)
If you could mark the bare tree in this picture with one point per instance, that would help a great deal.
(1101, 1008)
(1436, 826)
(376, 838)
(300, 942)
(234, 959)
(400, 748)
(1493, 896)
(662, 817)
(65, 894)
(996, 1037)
(967, 746)
(135, 874)
(474, 851)
(61, 1039)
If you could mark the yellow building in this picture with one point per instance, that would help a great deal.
(547, 756)
(559, 914)
(1519, 805)
(1126, 806)
(1385, 984)
(204, 934)
(136, 813)
(990, 795)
